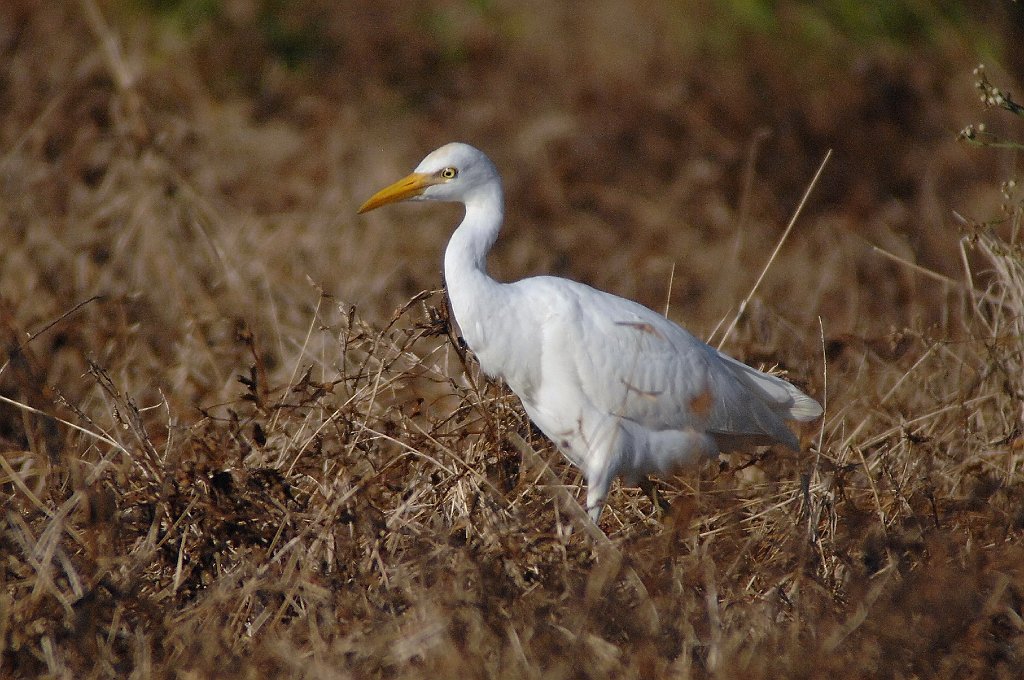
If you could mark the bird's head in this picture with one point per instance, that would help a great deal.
(455, 172)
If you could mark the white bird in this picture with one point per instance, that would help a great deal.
(621, 390)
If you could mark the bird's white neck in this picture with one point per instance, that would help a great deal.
(473, 293)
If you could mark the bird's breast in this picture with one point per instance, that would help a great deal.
(505, 352)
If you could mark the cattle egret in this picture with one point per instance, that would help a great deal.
(621, 390)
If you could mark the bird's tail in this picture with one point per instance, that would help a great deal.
(769, 403)
(780, 396)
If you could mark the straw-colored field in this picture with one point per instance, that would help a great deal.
(238, 436)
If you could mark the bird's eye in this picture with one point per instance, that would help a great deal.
(449, 173)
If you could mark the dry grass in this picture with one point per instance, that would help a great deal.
(222, 454)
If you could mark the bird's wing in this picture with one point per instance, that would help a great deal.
(633, 363)
(625, 359)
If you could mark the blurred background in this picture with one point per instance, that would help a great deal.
(197, 163)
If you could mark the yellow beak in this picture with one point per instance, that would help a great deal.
(407, 187)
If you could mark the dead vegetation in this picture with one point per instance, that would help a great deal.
(223, 455)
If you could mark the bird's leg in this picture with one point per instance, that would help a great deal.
(661, 505)
(597, 490)
(595, 503)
